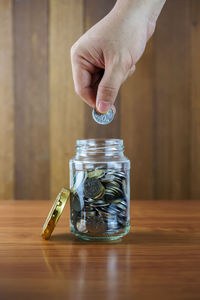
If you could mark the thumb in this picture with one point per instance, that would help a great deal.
(108, 89)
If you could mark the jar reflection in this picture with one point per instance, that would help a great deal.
(84, 269)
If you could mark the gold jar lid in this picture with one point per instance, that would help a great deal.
(55, 213)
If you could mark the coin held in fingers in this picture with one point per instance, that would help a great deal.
(103, 119)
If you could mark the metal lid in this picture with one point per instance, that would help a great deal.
(55, 213)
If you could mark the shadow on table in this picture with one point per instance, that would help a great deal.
(136, 238)
(72, 239)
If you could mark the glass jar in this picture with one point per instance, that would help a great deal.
(100, 190)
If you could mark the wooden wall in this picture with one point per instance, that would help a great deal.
(158, 108)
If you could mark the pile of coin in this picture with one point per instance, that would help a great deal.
(99, 203)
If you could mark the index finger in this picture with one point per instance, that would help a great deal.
(85, 76)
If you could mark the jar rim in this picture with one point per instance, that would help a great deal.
(99, 142)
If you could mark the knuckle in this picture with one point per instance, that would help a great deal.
(123, 63)
(78, 90)
(73, 51)
(131, 71)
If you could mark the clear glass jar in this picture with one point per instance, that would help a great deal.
(100, 190)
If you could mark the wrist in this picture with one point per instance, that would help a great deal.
(149, 9)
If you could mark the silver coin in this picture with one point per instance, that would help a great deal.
(90, 214)
(110, 191)
(116, 201)
(107, 178)
(122, 214)
(100, 167)
(121, 206)
(88, 208)
(109, 195)
(114, 208)
(81, 226)
(103, 119)
(117, 173)
(120, 175)
(112, 224)
(112, 184)
(122, 221)
(99, 204)
(89, 200)
(123, 202)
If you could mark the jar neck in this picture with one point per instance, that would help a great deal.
(99, 147)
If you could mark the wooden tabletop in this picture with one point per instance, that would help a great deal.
(158, 259)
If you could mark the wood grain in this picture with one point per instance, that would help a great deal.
(94, 11)
(6, 102)
(195, 98)
(137, 125)
(31, 99)
(172, 109)
(158, 259)
(66, 109)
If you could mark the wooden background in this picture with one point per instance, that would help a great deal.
(158, 110)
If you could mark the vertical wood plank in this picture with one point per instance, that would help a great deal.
(94, 11)
(172, 163)
(31, 99)
(6, 102)
(195, 99)
(137, 125)
(66, 109)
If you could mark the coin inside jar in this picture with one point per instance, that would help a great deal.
(81, 226)
(92, 187)
(96, 225)
(100, 200)
(77, 204)
(96, 174)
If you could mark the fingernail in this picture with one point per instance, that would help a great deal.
(103, 107)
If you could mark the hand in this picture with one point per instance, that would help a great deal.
(106, 55)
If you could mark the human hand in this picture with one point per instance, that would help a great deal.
(106, 55)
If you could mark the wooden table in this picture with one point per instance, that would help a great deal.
(159, 259)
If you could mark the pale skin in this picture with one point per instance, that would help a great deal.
(106, 55)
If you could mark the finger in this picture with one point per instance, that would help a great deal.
(85, 77)
(82, 84)
(131, 71)
(108, 89)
